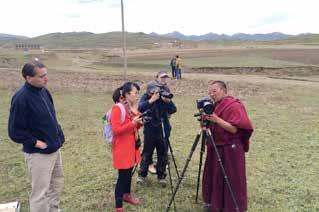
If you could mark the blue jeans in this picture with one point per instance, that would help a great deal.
(178, 73)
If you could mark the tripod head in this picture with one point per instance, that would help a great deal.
(202, 120)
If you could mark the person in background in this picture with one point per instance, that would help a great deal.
(33, 123)
(178, 67)
(173, 67)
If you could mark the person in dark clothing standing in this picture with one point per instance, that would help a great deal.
(33, 123)
(173, 67)
(154, 135)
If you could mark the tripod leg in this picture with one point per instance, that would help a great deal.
(170, 181)
(184, 169)
(174, 161)
(202, 150)
(209, 134)
(135, 167)
(169, 146)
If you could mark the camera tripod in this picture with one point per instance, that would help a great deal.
(165, 138)
(169, 148)
(204, 132)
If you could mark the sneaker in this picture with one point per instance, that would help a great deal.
(119, 210)
(140, 180)
(151, 169)
(162, 182)
(129, 198)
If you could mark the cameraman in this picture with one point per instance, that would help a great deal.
(231, 129)
(154, 136)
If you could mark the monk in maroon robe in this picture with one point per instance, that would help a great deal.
(231, 129)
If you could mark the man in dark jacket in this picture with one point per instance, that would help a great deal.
(33, 123)
(173, 67)
(157, 130)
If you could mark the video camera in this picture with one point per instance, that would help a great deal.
(206, 105)
(165, 93)
(162, 90)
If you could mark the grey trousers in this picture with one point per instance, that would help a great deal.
(46, 179)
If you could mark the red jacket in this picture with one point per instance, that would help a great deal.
(123, 147)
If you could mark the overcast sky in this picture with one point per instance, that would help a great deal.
(190, 17)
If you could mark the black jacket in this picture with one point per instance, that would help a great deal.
(160, 112)
(32, 117)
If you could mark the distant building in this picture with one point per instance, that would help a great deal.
(177, 43)
(26, 46)
(174, 44)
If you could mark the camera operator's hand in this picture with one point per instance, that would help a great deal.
(224, 124)
(212, 117)
(137, 120)
(155, 96)
(166, 100)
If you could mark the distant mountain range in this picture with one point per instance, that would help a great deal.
(8, 37)
(223, 37)
(173, 35)
(143, 40)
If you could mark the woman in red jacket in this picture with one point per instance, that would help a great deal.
(125, 145)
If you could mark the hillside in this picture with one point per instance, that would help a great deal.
(91, 40)
(302, 39)
(8, 37)
(143, 40)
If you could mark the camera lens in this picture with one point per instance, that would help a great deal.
(208, 107)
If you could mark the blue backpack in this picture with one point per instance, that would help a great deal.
(107, 128)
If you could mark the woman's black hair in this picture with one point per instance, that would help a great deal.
(124, 89)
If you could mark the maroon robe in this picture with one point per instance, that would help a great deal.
(231, 148)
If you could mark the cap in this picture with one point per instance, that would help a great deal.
(162, 74)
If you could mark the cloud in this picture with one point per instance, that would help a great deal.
(109, 3)
(200, 17)
(114, 5)
(88, 1)
(270, 20)
(73, 16)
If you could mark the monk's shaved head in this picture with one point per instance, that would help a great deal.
(220, 84)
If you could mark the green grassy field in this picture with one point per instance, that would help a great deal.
(282, 165)
(235, 61)
(99, 60)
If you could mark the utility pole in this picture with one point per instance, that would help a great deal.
(124, 42)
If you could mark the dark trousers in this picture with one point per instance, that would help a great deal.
(173, 72)
(161, 148)
(123, 186)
